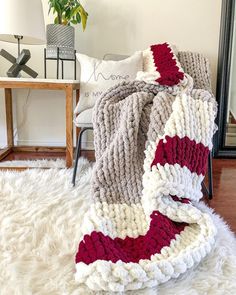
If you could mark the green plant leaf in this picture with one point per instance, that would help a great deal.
(57, 7)
(84, 16)
(56, 21)
(73, 12)
(50, 7)
(64, 20)
(68, 12)
(78, 18)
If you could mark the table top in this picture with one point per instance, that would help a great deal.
(38, 80)
(6, 82)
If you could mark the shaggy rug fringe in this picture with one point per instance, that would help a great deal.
(40, 219)
(58, 163)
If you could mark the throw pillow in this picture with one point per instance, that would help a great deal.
(97, 76)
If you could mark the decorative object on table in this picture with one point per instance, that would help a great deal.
(61, 35)
(21, 22)
(152, 143)
(57, 59)
(19, 63)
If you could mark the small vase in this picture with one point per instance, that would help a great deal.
(62, 38)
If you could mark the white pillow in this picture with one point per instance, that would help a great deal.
(97, 76)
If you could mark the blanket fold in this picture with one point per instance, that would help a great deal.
(143, 227)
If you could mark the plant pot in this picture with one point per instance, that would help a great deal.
(60, 40)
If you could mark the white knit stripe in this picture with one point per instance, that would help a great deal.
(149, 73)
(192, 118)
(196, 241)
(116, 220)
(121, 220)
(148, 77)
(148, 62)
(171, 180)
(168, 179)
(161, 181)
(150, 154)
(158, 188)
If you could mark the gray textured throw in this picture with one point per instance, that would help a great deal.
(151, 144)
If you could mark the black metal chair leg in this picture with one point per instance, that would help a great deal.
(209, 189)
(62, 69)
(210, 177)
(75, 67)
(78, 152)
(45, 64)
(57, 62)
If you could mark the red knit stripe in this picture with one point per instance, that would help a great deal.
(97, 246)
(182, 151)
(181, 200)
(170, 73)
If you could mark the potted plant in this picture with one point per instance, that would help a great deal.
(61, 35)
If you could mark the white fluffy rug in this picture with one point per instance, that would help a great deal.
(59, 163)
(40, 217)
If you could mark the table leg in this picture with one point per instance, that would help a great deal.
(57, 62)
(69, 126)
(62, 69)
(9, 117)
(5, 152)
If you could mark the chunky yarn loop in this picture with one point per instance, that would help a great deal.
(161, 66)
(151, 144)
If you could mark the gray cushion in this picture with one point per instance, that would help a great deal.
(84, 119)
(197, 66)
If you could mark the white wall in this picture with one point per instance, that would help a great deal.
(117, 26)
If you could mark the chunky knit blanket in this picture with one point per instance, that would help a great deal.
(152, 143)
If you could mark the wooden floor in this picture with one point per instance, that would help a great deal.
(224, 198)
(17, 156)
(224, 171)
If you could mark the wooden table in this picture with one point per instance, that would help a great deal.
(69, 86)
